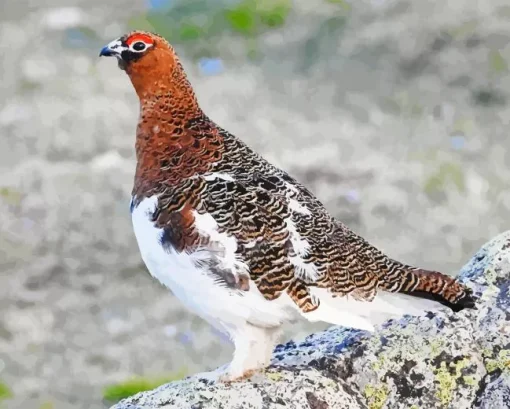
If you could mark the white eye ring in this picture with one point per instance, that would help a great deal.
(140, 50)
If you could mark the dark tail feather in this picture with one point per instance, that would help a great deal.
(396, 277)
(435, 286)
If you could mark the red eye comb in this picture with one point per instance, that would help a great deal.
(139, 37)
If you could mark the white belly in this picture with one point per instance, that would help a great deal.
(223, 307)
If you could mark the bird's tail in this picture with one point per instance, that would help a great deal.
(401, 290)
(386, 288)
(403, 285)
(429, 285)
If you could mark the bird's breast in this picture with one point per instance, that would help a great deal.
(210, 280)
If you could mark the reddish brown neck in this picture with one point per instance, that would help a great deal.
(167, 105)
(154, 83)
(175, 140)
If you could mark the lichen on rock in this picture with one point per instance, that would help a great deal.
(440, 360)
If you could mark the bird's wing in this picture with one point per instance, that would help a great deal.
(283, 234)
(286, 239)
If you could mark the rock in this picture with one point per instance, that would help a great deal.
(441, 360)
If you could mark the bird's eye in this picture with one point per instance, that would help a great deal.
(139, 46)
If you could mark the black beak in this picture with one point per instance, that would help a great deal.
(115, 49)
(107, 52)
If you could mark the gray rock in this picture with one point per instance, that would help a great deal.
(441, 360)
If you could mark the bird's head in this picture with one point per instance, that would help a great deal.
(131, 48)
(147, 58)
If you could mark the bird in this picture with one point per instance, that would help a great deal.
(239, 241)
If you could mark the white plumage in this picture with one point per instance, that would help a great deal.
(247, 317)
(251, 321)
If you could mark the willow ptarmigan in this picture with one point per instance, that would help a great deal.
(239, 241)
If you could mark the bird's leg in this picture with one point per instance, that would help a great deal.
(253, 350)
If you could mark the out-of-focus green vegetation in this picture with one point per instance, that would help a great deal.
(10, 196)
(5, 392)
(121, 390)
(203, 22)
(447, 175)
(342, 3)
(250, 17)
(195, 19)
(497, 62)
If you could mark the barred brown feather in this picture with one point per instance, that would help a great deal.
(178, 149)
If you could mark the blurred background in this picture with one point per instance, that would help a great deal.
(394, 112)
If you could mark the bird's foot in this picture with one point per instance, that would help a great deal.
(253, 348)
(229, 378)
(227, 374)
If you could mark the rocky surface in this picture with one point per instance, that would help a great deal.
(393, 112)
(442, 360)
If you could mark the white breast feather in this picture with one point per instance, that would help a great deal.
(198, 290)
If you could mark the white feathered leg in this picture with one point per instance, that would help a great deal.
(253, 350)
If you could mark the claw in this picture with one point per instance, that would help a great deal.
(228, 379)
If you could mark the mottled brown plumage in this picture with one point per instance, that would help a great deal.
(177, 144)
(283, 235)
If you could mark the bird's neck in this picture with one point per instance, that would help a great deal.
(175, 139)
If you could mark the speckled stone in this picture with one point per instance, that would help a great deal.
(441, 360)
